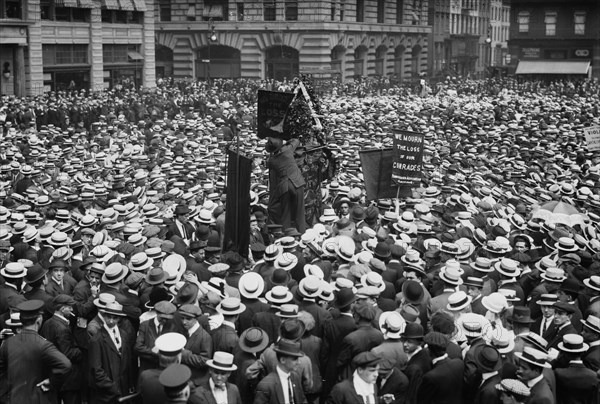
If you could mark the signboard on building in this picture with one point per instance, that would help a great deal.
(581, 53)
(407, 167)
(592, 137)
(531, 53)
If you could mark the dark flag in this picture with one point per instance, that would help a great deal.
(237, 214)
(272, 110)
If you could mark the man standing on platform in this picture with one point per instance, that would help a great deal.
(286, 194)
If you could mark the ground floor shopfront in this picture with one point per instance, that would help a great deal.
(396, 52)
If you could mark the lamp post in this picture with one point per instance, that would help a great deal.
(212, 37)
(488, 43)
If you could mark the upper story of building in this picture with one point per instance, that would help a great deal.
(288, 12)
(555, 20)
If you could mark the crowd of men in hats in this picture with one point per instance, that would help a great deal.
(482, 287)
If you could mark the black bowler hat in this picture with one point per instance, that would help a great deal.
(344, 298)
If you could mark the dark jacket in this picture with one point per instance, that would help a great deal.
(416, 367)
(197, 350)
(487, 392)
(396, 384)
(224, 339)
(111, 373)
(334, 331)
(58, 331)
(270, 391)
(576, 384)
(27, 359)
(345, 393)
(363, 339)
(443, 383)
(206, 396)
(541, 393)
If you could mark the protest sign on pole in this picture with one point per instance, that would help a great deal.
(592, 137)
(407, 166)
(272, 109)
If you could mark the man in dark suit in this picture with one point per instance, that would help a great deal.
(282, 385)
(286, 192)
(110, 359)
(591, 335)
(225, 337)
(30, 365)
(419, 361)
(150, 330)
(562, 319)
(217, 389)
(59, 282)
(13, 274)
(365, 338)
(545, 322)
(334, 331)
(443, 383)
(361, 387)
(391, 382)
(58, 331)
(575, 384)
(198, 348)
(308, 290)
(531, 364)
(181, 227)
(489, 363)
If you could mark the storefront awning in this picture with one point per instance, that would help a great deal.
(86, 4)
(133, 55)
(110, 4)
(140, 5)
(126, 5)
(553, 67)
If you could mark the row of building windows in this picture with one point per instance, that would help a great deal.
(50, 12)
(11, 9)
(218, 10)
(550, 19)
(75, 54)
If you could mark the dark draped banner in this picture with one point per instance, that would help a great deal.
(237, 217)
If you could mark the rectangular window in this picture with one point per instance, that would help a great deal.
(113, 54)
(550, 21)
(216, 10)
(360, 10)
(164, 10)
(46, 10)
(240, 11)
(190, 14)
(523, 21)
(12, 9)
(270, 10)
(291, 10)
(380, 11)
(342, 7)
(64, 54)
(333, 11)
(579, 21)
(399, 11)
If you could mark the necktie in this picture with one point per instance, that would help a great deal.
(117, 339)
(291, 391)
(368, 399)
(158, 329)
(543, 329)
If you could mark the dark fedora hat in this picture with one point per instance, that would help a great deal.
(358, 214)
(181, 210)
(521, 315)
(382, 250)
(288, 348)
(488, 359)
(35, 273)
(344, 298)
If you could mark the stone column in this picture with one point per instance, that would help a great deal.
(148, 48)
(95, 51)
(19, 71)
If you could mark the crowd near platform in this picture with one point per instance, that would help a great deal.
(481, 286)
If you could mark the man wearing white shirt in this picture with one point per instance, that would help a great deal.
(282, 386)
(217, 389)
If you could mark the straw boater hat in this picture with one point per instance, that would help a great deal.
(251, 285)
(573, 343)
(534, 357)
(222, 361)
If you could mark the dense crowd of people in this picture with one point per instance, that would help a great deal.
(482, 286)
